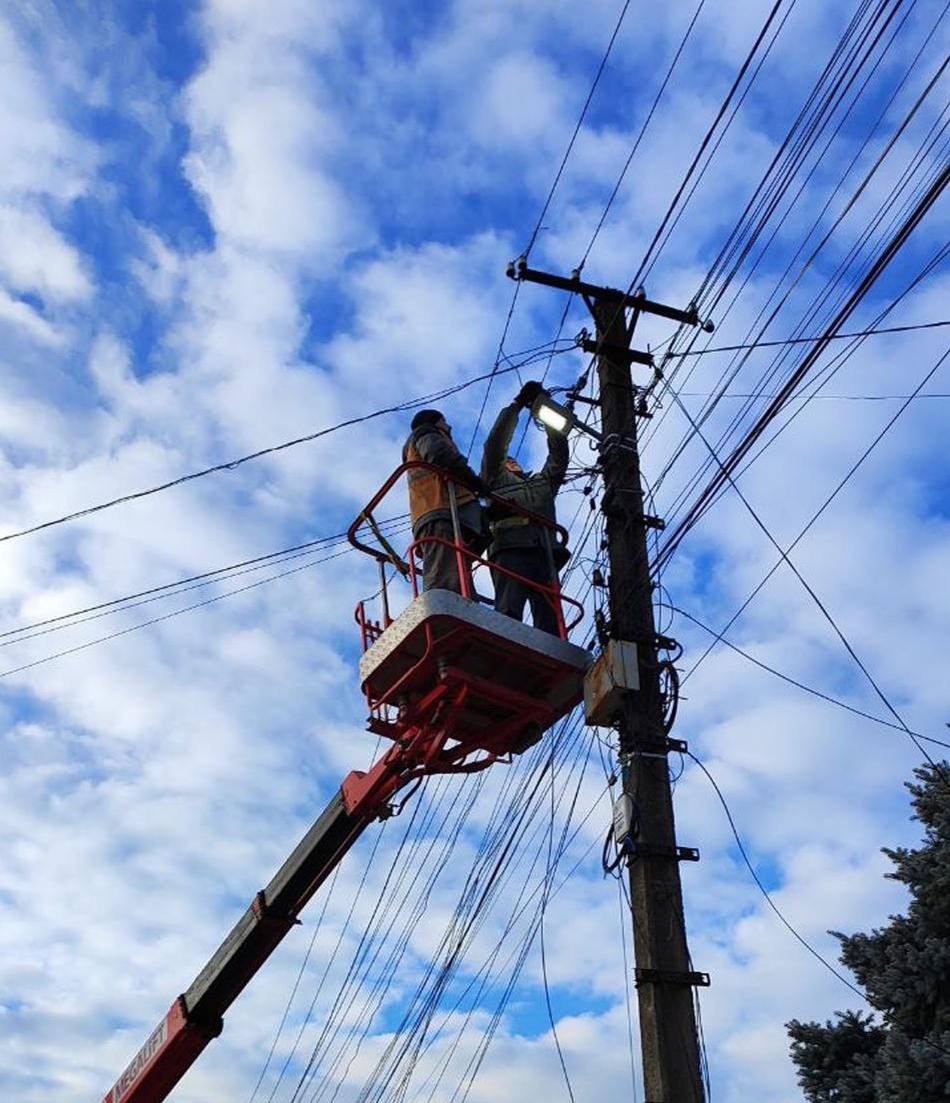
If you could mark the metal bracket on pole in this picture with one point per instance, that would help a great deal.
(266, 914)
(619, 353)
(615, 440)
(669, 976)
(670, 853)
(659, 750)
(519, 270)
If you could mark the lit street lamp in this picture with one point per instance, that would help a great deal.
(561, 419)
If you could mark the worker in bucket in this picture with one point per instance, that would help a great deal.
(429, 504)
(517, 544)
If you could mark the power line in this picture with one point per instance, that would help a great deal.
(172, 589)
(768, 897)
(230, 465)
(826, 374)
(813, 119)
(765, 892)
(727, 467)
(544, 959)
(845, 642)
(499, 355)
(837, 363)
(647, 262)
(720, 638)
(805, 340)
(826, 397)
(577, 128)
(327, 895)
(639, 138)
(617, 185)
(168, 616)
(842, 483)
(724, 106)
(709, 304)
(537, 225)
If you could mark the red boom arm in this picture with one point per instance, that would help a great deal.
(196, 1017)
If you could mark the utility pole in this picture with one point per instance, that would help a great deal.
(664, 974)
(634, 704)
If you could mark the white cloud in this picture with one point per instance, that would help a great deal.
(29, 321)
(364, 182)
(34, 257)
(38, 153)
(262, 143)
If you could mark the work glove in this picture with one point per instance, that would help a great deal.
(528, 393)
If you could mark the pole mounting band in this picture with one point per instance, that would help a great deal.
(670, 976)
(671, 853)
(657, 750)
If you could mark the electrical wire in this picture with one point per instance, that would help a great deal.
(167, 616)
(845, 642)
(765, 892)
(823, 377)
(231, 465)
(327, 896)
(711, 303)
(580, 122)
(392, 527)
(842, 483)
(619, 183)
(821, 695)
(640, 134)
(808, 340)
(544, 960)
(727, 467)
(407, 1037)
(537, 226)
(831, 397)
(707, 138)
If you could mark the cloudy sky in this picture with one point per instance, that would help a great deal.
(228, 225)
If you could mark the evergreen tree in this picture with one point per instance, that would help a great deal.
(905, 970)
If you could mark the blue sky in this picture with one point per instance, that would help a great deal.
(226, 225)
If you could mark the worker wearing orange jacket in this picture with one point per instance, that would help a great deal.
(429, 507)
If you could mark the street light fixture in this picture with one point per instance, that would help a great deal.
(559, 418)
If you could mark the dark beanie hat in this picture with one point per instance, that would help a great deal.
(426, 417)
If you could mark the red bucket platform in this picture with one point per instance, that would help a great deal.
(518, 680)
(455, 685)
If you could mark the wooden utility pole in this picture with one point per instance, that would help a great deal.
(664, 972)
(625, 691)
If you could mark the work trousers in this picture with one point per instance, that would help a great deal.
(439, 563)
(511, 595)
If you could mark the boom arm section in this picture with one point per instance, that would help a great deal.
(195, 1018)
(424, 746)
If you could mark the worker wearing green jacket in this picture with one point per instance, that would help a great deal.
(516, 543)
